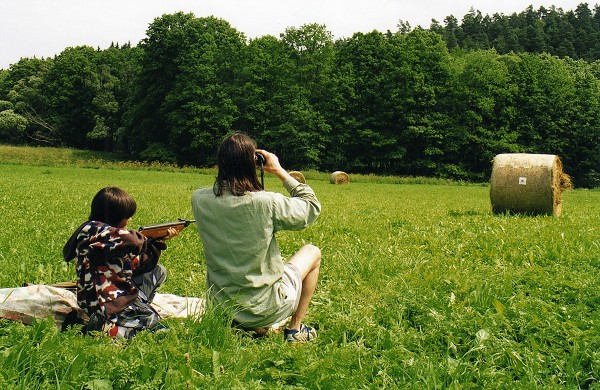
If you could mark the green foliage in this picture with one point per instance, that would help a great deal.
(364, 137)
(440, 102)
(485, 122)
(564, 33)
(5, 105)
(421, 287)
(12, 127)
(23, 87)
(72, 83)
(298, 130)
(157, 152)
(183, 91)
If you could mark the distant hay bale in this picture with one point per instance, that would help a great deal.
(528, 183)
(338, 177)
(298, 176)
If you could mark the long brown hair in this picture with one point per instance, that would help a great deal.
(237, 166)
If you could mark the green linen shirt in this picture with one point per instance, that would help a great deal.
(243, 263)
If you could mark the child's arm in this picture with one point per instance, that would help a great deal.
(151, 251)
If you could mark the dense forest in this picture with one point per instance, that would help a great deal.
(441, 101)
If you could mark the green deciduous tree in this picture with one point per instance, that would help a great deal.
(362, 139)
(267, 86)
(184, 94)
(12, 126)
(201, 104)
(483, 104)
(420, 83)
(71, 85)
(581, 152)
(145, 119)
(305, 130)
(116, 69)
(545, 98)
(24, 88)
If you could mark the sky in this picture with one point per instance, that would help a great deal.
(44, 28)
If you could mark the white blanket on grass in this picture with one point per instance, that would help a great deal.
(25, 304)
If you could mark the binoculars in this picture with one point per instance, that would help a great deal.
(260, 159)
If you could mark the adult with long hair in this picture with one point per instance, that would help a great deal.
(237, 221)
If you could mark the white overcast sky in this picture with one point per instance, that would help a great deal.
(43, 28)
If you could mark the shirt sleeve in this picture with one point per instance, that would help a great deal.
(128, 246)
(299, 210)
(147, 252)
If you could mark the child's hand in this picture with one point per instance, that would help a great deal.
(172, 232)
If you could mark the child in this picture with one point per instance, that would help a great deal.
(117, 269)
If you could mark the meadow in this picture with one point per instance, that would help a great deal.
(421, 286)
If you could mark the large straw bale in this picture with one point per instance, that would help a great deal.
(298, 176)
(338, 177)
(528, 183)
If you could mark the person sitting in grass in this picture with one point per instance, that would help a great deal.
(117, 269)
(237, 221)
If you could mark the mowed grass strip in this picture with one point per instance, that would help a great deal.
(421, 286)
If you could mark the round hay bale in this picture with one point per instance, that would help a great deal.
(528, 183)
(298, 176)
(338, 177)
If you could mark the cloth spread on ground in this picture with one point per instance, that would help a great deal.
(31, 302)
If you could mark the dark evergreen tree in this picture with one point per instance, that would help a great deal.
(586, 34)
(559, 33)
(533, 39)
(452, 33)
(473, 31)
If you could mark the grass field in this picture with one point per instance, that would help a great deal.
(421, 287)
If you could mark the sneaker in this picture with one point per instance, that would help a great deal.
(306, 333)
(96, 323)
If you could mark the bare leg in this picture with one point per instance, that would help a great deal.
(308, 262)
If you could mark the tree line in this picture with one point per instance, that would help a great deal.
(574, 34)
(399, 103)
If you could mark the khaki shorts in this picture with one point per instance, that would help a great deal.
(292, 283)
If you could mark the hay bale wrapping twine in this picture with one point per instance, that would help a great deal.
(528, 183)
(339, 177)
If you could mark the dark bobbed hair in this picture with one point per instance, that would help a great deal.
(237, 166)
(111, 205)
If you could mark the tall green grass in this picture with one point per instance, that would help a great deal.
(421, 287)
